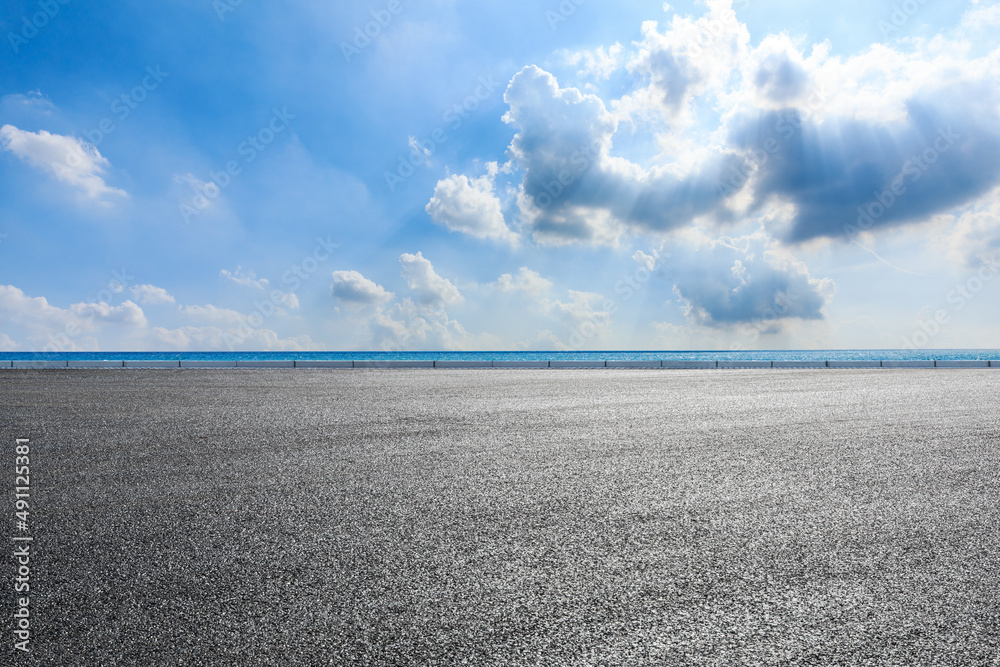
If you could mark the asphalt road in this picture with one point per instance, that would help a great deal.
(508, 517)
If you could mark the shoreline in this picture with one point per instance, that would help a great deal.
(670, 364)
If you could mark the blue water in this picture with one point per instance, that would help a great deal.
(616, 355)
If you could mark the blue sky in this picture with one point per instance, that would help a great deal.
(200, 175)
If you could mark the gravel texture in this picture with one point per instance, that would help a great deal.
(509, 517)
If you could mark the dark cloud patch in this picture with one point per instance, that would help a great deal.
(850, 176)
(673, 74)
(735, 281)
(780, 79)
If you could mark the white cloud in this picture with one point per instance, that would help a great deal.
(127, 313)
(410, 326)
(729, 281)
(582, 316)
(150, 295)
(44, 326)
(426, 283)
(407, 324)
(648, 262)
(599, 63)
(690, 58)
(580, 308)
(7, 344)
(244, 278)
(35, 312)
(982, 17)
(526, 280)
(353, 288)
(70, 160)
(469, 206)
(34, 101)
(973, 235)
(95, 326)
(215, 338)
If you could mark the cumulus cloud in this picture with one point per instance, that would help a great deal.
(223, 328)
(68, 159)
(37, 312)
(526, 281)
(98, 325)
(583, 316)
(692, 56)
(647, 262)
(351, 287)
(470, 206)
(778, 72)
(973, 236)
(599, 63)
(410, 326)
(982, 16)
(893, 135)
(729, 281)
(244, 278)
(127, 313)
(7, 343)
(428, 286)
(48, 327)
(150, 295)
(410, 323)
(573, 189)
(41, 322)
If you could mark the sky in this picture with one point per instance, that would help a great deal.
(574, 175)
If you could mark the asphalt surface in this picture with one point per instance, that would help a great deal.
(508, 517)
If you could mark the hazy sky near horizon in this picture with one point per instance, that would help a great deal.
(215, 175)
